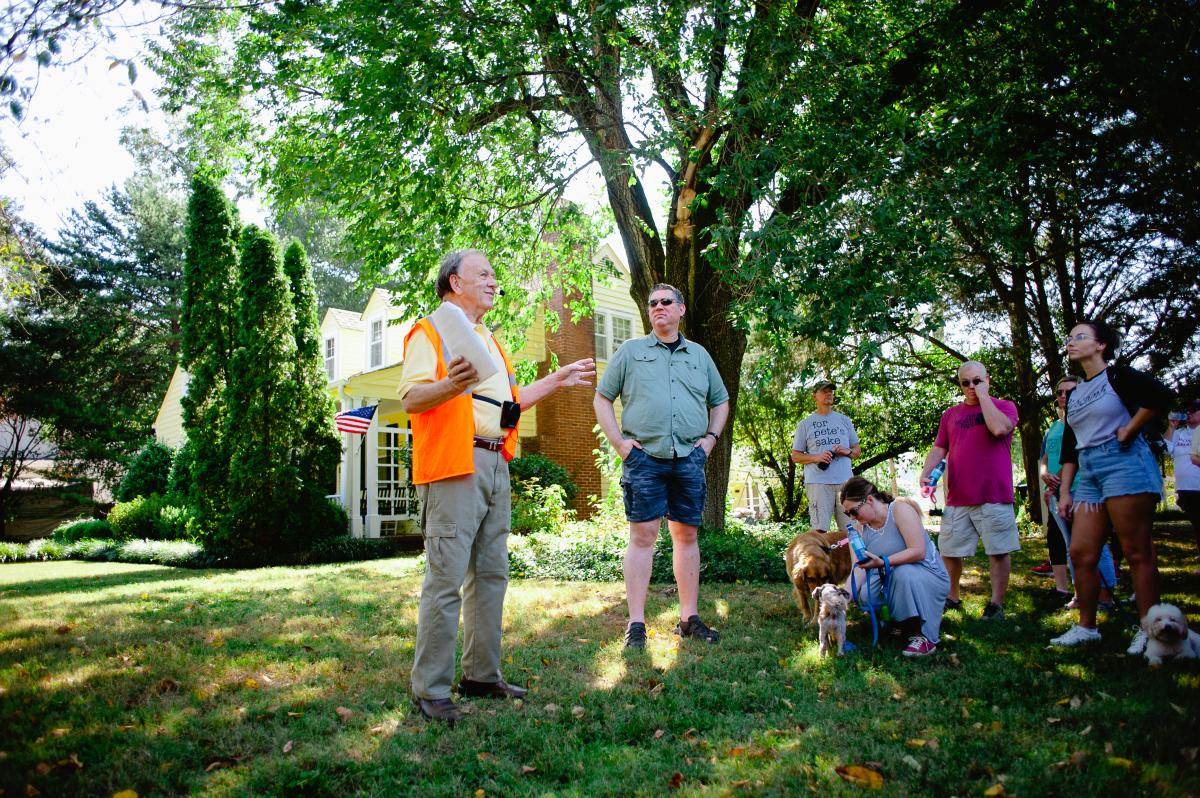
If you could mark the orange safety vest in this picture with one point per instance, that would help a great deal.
(443, 437)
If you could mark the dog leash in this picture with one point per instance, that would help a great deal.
(871, 609)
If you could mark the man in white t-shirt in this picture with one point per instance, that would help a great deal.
(825, 441)
(1181, 437)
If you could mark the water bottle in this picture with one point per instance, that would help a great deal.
(825, 466)
(929, 490)
(858, 549)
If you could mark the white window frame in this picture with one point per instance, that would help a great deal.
(382, 322)
(331, 364)
(607, 317)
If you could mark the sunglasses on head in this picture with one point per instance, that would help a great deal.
(664, 302)
(969, 383)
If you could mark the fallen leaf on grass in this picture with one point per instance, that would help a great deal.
(1120, 761)
(1182, 712)
(485, 756)
(387, 727)
(1086, 731)
(577, 712)
(31, 791)
(250, 684)
(167, 685)
(61, 731)
(295, 714)
(916, 743)
(1189, 754)
(62, 630)
(125, 794)
(658, 734)
(527, 769)
(911, 761)
(864, 777)
(676, 780)
(480, 794)
(1076, 702)
(995, 791)
(287, 747)
(344, 714)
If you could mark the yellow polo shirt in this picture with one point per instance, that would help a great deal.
(420, 367)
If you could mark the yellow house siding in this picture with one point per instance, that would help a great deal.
(168, 424)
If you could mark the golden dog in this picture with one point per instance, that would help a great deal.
(814, 559)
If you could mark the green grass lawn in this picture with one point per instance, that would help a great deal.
(294, 681)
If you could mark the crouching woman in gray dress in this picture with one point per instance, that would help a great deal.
(917, 588)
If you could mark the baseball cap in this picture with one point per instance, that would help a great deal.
(823, 384)
(1192, 406)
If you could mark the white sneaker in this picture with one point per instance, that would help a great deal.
(1138, 644)
(1075, 635)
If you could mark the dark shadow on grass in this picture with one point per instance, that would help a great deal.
(43, 587)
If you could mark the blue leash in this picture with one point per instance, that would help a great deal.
(872, 609)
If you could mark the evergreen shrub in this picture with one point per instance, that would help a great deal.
(138, 518)
(80, 529)
(345, 548)
(148, 473)
(590, 552)
(523, 470)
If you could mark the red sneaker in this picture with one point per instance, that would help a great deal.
(919, 646)
(1043, 569)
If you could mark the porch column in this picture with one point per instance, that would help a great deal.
(371, 528)
(351, 479)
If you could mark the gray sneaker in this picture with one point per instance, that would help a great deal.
(993, 612)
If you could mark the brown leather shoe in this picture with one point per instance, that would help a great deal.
(499, 689)
(442, 709)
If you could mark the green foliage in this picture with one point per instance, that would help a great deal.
(544, 470)
(319, 447)
(176, 523)
(344, 548)
(149, 472)
(262, 402)
(539, 508)
(138, 518)
(207, 322)
(74, 531)
(590, 552)
(177, 553)
(179, 483)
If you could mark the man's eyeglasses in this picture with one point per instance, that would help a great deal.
(664, 302)
(1079, 337)
(969, 383)
(856, 509)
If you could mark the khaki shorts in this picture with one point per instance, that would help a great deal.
(823, 505)
(963, 527)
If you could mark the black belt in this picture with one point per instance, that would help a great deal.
(489, 444)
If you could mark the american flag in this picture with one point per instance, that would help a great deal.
(356, 421)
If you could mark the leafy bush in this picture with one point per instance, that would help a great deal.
(174, 522)
(147, 474)
(312, 519)
(72, 531)
(179, 553)
(13, 552)
(179, 482)
(591, 552)
(524, 470)
(345, 548)
(540, 508)
(138, 518)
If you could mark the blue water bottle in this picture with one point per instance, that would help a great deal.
(858, 549)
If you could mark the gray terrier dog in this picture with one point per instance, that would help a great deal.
(831, 616)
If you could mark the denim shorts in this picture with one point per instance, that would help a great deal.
(655, 487)
(1112, 469)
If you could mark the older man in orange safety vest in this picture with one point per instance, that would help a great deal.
(464, 434)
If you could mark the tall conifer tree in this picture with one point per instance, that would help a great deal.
(206, 343)
(318, 447)
(263, 425)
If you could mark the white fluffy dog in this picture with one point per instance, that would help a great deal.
(831, 616)
(1168, 635)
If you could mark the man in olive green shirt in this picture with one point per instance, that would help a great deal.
(673, 407)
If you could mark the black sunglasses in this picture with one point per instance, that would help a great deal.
(664, 302)
(969, 383)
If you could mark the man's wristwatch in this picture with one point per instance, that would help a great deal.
(713, 434)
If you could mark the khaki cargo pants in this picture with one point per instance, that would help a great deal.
(466, 521)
